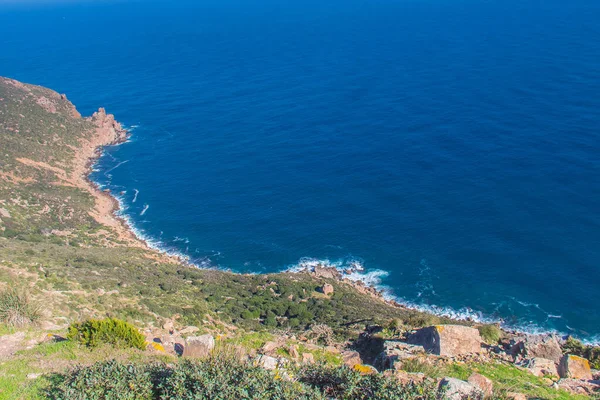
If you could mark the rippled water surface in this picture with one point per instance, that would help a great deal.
(450, 147)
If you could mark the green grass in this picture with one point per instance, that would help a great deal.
(508, 378)
(251, 340)
(490, 334)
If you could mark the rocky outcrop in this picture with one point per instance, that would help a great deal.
(574, 367)
(268, 362)
(107, 123)
(395, 352)
(270, 347)
(320, 271)
(308, 358)
(327, 289)
(541, 366)
(447, 340)
(351, 358)
(482, 383)
(540, 346)
(198, 346)
(577, 386)
(455, 389)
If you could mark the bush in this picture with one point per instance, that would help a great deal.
(490, 334)
(219, 377)
(348, 384)
(113, 331)
(16, 308)
(104, 380)
(223, 377)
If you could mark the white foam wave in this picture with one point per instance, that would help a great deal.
(146, 207)
(150, 242)
(353, 269)
(115, 167)
(135, 195)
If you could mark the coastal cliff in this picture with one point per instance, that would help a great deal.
(67, 258)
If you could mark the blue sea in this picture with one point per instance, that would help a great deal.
(449, 147)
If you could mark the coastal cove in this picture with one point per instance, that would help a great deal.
(358, 137)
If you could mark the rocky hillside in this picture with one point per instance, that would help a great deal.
(68, 267)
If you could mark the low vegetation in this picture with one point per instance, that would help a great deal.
(94, 332)
(225, 377)
(491, 334)
(17, 309)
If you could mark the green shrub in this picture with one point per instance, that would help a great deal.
(16, 308)
(490, 334)
(223, 377)
(349, 384)
(113, 331)
(103, 380)
(219, 377)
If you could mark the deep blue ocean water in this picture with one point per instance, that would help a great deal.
(450, 147)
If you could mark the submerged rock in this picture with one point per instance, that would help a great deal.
(447, 340)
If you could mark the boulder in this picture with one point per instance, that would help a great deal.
(198, 346)
(168, 325)
(327, 289)
(541, 366)
(483, 383)
(541, 346)
(577, 386)
(365, 369)
(188, 330)
(515, 396)
(394, 352)
(447, 340)
(269, 347)
(406, 378)
(455, 389)
(294, 352)
(574, 367)
(321, 271)
(351, 358)
(308, 358)
(268, 362)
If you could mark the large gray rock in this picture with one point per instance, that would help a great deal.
(268, 362)
(447, 340)
(574, 367)
(541, 366)
(455, 389)
(541, 346)
(351, 358)
(198, 346)
(484, 384)
(395, 352)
